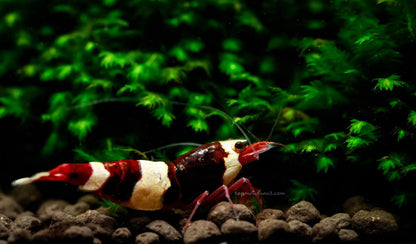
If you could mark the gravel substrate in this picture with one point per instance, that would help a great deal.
(25, 219)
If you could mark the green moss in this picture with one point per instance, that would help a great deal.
(336, 76)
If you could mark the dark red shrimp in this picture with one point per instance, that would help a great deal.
(152, 185)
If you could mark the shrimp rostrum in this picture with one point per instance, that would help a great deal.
(204, 175)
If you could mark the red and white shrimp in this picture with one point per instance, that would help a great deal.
(204, 175)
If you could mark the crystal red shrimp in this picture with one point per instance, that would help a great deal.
(152, 185)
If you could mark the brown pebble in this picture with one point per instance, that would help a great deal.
(375, 222)
(165, 230)
(27, 195)
(100, 232)
(300, 230)
(19, 235)
(121, 235)
(304, 212)
(326, 230)
(346, 235)
(79, 233)
(26, 213)
(9, 207)
(94, 217)
(49, 208)
(342, 220)
(77, 208)
(273, 230)
(355, 204)
(90, 199)
(28, 223)
(5, 221)
(96, 241)
(147, 238)
(104, 210)
(223, 211)
(44, 236)
(239, 231)
(201, 231)
(4, 228)
(137, 223)
(62, 217)
(269, 213)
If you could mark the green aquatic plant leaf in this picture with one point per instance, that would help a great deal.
(184, 18)
(164, 114)
(113, 207)
(52, 144)
(179, 53)
(400, 199)
(102, 83)
(81, 127)
(401, 134)
(13, 102)
(307, 146)
(303, 126)
(85, 155)
(412, 118)
(323, 163)
(331, 146)
(152, 100)
(246, 76)
(354, 142)
(333, 141)
(248, 18)
(58, 110)
(230, 67)
(192, 65)
(336, 136)
(394, 175)
(198, 125)
(141, 72)
(301, 192)
(193, 45)
(173, 74)
(12, 18)
(64, 71)
(363, 134)
(409, 168)
(391, 166)
(231, 44)
(132, 88)
(110, 60)
(321, 95)
(389, 83)
(361, 127)
(48, 74)
(89, 46)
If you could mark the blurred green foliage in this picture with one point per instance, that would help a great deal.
(336, 75)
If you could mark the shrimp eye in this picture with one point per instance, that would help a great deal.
(239, 145)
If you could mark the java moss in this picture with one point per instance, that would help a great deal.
(103, 80)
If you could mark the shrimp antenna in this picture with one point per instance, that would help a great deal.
(226, 115)
(240, 127)
(276, 121)
(173, 145)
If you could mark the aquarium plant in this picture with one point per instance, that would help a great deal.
(111, 79)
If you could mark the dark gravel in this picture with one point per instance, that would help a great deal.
(239, 231)
(85, 221)
(304, 212)
(202, 231)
